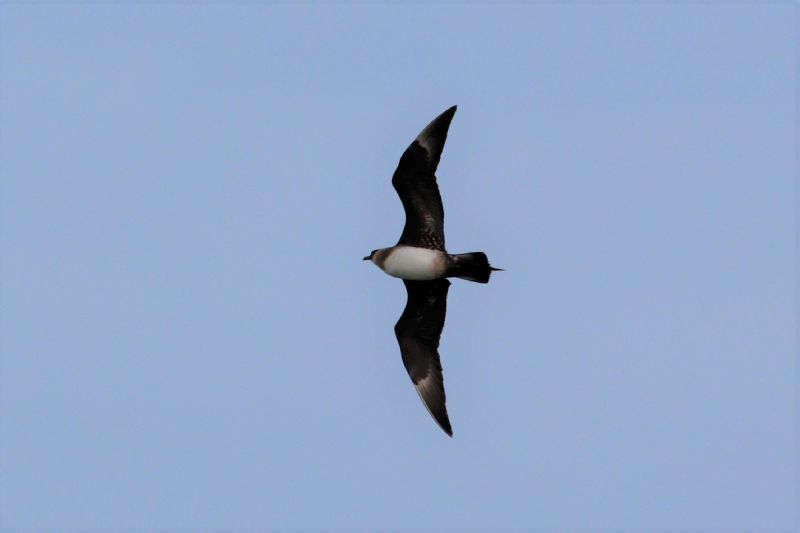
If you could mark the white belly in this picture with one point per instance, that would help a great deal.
(408, 262)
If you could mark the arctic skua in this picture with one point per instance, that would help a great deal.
(420, 259)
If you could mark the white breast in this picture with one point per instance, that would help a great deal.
(408, 262)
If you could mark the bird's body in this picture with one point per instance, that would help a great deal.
(413, 263)
(421, 261)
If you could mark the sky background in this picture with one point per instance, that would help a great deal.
(188, 335)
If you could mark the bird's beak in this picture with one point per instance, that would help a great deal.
(366, 258)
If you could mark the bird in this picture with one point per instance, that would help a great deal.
(421, 260)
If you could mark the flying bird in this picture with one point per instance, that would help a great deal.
(420, 259)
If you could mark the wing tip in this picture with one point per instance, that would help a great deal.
(444, 423)
(448, 430)
(433, 136)
(446, 115)
(440, 416)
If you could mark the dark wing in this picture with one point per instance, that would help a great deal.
(415, 183)
(418, 332)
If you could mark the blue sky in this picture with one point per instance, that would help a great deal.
(188, 335)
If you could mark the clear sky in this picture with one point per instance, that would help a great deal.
(189, 337)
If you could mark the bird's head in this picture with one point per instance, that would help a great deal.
(371, 256)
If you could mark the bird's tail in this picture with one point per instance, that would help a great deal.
(473, 266)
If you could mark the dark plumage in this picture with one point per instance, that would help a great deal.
(418, 332)
(415, 183)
